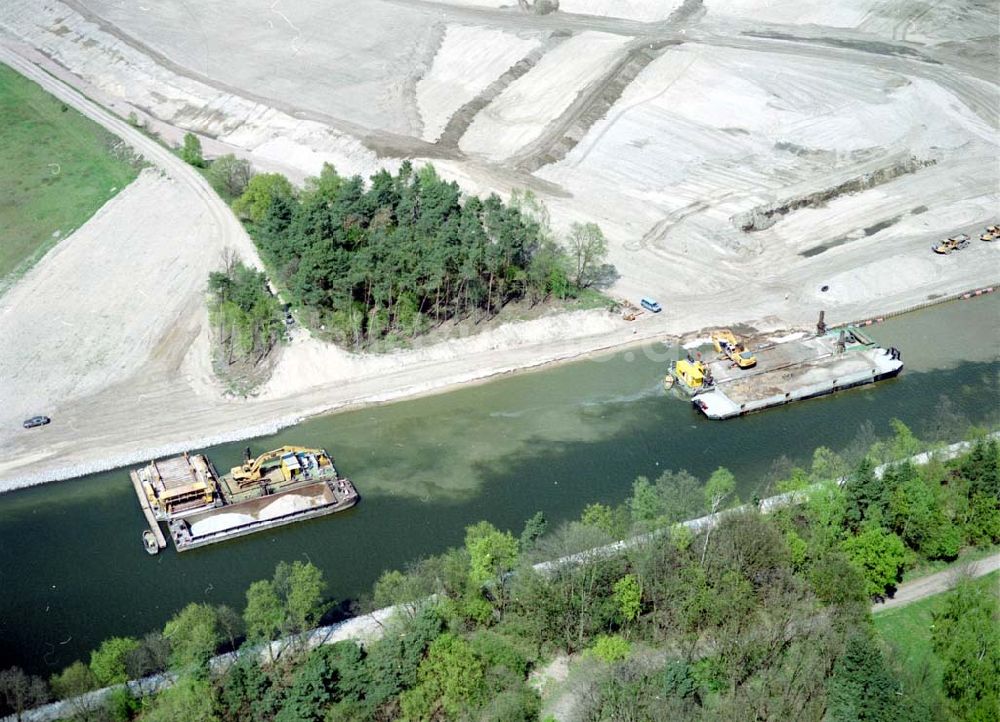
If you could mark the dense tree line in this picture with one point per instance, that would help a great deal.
(406, 251)
(767, 617)
(247, 316)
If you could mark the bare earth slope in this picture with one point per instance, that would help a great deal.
(740, 157)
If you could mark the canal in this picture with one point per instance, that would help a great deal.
(73, 571)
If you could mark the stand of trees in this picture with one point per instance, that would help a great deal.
(766, 618)
(404, 252)
(247, 317)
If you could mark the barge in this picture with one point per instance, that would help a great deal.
(785, 372)
(201, 507)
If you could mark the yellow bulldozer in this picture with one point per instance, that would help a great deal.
(992, 233)
(728, 345)
(290, 461)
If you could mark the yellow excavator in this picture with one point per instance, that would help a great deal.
(294, 460)
(727, 344)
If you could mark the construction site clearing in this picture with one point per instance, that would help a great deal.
(201, 507)
(825, 363)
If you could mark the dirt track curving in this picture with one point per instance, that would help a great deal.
(686, 123)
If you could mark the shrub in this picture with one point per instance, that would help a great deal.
(610, 648)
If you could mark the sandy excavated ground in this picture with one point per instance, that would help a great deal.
(532, 102)
(486, 54)
(673, 125)
(81, 322)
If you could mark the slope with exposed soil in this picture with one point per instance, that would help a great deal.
(679, 127)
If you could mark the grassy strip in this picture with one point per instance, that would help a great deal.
(907, 629)
(56, 169)
(926, 567)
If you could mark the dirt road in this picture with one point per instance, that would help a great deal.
(168, 400)
(932, 584)
(641, 150)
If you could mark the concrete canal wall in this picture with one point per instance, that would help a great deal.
(371, 626)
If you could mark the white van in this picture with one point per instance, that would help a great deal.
(650, 305)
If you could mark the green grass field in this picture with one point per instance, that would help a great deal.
(908, 629)
(56, 169)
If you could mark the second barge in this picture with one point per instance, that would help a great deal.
(201, 507)
(786, 372)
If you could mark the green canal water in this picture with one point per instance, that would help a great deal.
(73, 571)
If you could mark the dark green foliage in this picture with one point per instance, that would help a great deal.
(966, 637)
(121, 706)
(392, 662)
(449, 679)
(862, 688)
(982, 525)
(248, 691)
(980, 472)
(981, 468)
(837, 582)
(497, 651)
(403, 252)
(678, 680)
(534, 528)
(248, 318)
(317, 682)
(864, 493)
(191, 151)
(917, 516)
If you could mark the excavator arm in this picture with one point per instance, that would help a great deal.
(249, 471)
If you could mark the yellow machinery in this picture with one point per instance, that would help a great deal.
(955, 243)
(690, 373)
(290, 460)
(177, 485)
(725, 342)
(992, 234)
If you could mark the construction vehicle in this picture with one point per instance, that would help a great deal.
(728, 345)
(286, 464)
(955, 243)
(691, 373)
(631, 312)
(992, 234)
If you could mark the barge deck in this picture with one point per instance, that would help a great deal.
(154, 525)
(795, 370)
(270, 512)
(277, 488)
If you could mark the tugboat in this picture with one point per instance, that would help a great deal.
(149, 543)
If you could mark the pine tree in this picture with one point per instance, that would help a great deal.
(861, 689)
